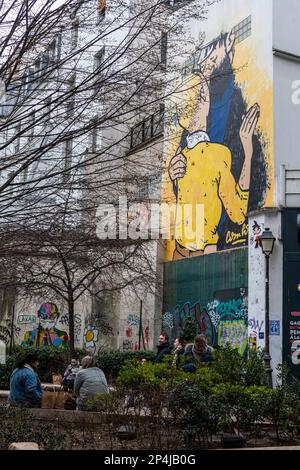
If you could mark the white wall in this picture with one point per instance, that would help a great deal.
(286, 125)
(256, 289)
(286, 93)
(286, 18)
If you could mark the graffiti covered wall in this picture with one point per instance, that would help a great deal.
(219, 150)
(213, 292)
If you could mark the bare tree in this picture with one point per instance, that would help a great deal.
(85, 87)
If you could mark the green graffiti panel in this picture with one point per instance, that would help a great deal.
(213, 291)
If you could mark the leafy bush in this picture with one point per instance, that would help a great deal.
(233, 368)
(196, 414)
(17, 426)
(137, 376)
(112, 362)
(51, 361)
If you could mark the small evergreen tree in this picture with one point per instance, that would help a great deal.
(189, 329)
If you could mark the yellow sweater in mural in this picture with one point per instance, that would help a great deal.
(208, 182)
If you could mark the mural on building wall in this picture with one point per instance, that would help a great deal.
(46, 333)
(219, 156)
(224, 320)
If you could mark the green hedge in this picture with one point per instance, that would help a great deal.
(112, 362)
(54, 361)
(51, 361)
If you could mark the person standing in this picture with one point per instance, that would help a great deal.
(163, 348)
(25, 386)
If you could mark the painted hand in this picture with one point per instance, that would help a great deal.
(248, 126)
(177, 167)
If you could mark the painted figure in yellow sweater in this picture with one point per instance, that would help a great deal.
(201, 170)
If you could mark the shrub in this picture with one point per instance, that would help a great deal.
(17, 426)
(196, 414)
(51, 361)
(233, 368)
(145, 377)
(112, 362)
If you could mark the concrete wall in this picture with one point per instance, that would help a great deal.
(286, 126)
(256, 307)
(286, 17)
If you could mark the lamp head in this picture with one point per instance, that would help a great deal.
(267, 242)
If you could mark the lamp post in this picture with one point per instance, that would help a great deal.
(267, 240)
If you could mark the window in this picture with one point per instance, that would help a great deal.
(68, 159)
(37, 67)
(163, 48)
(98, 61)
(154, 186)
(44, 62)
(25, 174)
(176, 3)
(30, 80)
(242, 30)
(71, 99)
(52, 51)
(74, 33)
(143, 190)
(58, 47)
(147, 129)
(158, 121)
(31, 127)
(137, 135)
(17, 139)
(48, 108)
(93, 145)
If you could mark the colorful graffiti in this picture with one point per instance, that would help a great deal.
(224, 320)
(137, 335)
(220, 133)
(234, 333)
(90, 337)
(256, 325)
(27, 319)
(64, 321)
(46, 333)
(256, 233)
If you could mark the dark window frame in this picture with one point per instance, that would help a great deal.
(143, 135)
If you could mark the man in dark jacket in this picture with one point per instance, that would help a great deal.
(163, 347)
(197, 354)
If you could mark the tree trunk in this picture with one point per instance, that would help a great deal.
(71, 325)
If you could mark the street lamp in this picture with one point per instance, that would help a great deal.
(267, 240)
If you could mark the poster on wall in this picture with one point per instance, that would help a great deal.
(219, 149)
